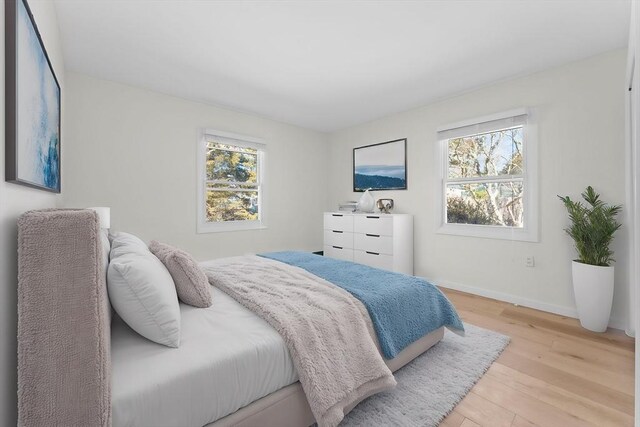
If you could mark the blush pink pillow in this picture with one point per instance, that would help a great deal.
(192, 285)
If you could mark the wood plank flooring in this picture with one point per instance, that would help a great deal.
(553, 373)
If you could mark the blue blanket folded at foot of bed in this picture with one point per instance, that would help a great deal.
(403, 308)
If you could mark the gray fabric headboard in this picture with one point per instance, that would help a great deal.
(64, 361)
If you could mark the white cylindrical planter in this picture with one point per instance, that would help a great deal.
(593, 289)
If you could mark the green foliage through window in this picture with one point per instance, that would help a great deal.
(485, 179)
(232, 183)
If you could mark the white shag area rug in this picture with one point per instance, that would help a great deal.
(430, 386)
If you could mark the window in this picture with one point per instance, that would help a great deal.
(231, 182)
(488, 184)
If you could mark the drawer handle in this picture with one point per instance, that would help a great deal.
(337, 231)
(337, 215)
(337, 247)
(373, 217)
(372, 235)
(371, 253)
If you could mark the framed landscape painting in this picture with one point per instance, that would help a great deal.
(32, 96)
(380, 166)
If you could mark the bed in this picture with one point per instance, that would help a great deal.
(79, 367)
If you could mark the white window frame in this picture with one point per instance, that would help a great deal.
(529, 232)
(204, 226)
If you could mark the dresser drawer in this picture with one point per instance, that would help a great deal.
(373, 224)
(338, 222)
(374, 259)
(338, 253)
(343, 239)
(373, 243)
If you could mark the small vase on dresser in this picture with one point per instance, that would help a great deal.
(379, 240)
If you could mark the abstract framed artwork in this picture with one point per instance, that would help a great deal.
(32, 96)
(380, 166)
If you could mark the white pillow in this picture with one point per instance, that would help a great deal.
(142, 291)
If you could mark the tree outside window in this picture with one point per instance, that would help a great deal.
(231, 183)
(485, 179)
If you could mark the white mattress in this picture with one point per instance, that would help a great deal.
(228, 357)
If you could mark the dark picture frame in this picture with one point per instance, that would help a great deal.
(33, 128)
(381, 166)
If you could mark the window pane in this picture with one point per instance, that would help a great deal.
(489, 154)
(495, 203)
(231, 205)
(232, 163)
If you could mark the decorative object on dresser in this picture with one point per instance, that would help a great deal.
(32, 104)
(379, 240)
(349, 206)
(380, 166)
(366, 202)
(385, 205)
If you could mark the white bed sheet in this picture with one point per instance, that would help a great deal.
(228, 357)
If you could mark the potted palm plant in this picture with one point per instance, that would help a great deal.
(592, 227)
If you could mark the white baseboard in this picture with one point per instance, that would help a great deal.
(526, 302)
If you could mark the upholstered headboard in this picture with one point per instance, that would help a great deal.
(64, 363)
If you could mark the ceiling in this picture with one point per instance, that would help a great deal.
(327, 65)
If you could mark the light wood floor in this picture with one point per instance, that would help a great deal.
(553, 373)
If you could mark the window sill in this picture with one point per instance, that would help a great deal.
(212, 227)
(489, 232)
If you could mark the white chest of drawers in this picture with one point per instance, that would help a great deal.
(379, 240)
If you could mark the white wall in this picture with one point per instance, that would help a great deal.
(14, 200)
(580, 110)
(135, 151)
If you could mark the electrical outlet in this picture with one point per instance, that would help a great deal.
(530, 261)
